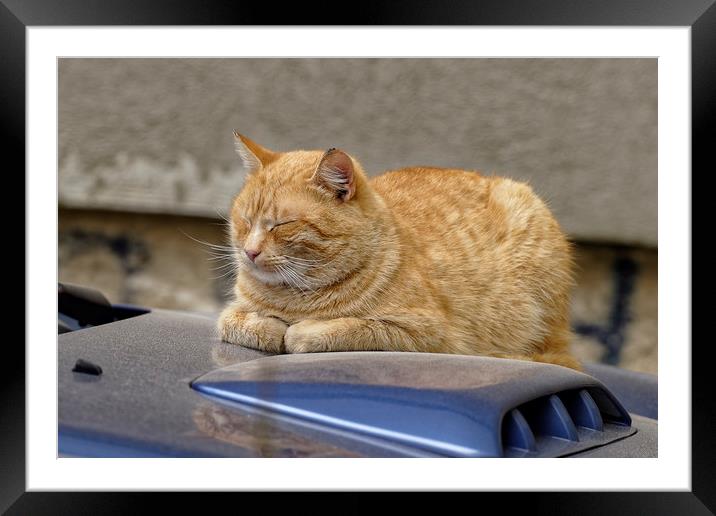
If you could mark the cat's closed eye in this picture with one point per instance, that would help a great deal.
(277, 224)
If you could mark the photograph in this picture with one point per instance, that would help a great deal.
(379, 257)
(423, 248)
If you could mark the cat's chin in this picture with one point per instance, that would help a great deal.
(266, 277)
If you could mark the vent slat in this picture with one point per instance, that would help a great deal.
(559, 424)
(583, 409)
(611, 413)
(549, 417)
(516, 432)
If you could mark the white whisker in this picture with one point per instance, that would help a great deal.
(299, 277)
(218, 213)
(216, 247)
(226, 257)
(285, 279)
(230, 264)
(229, 272)
(292, 279)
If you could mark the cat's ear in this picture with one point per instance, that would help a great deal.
(253, 155)
(336, 174)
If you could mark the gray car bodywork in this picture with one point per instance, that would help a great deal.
(144, 404)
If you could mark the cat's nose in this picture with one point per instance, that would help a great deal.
(252, 254)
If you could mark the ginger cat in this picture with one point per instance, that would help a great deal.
(417, 259)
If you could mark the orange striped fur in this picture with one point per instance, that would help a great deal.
(417, 259)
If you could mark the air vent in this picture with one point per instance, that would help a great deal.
(436, 404)
(563, 423)
(82, 307)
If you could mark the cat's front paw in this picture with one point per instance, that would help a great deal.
(252, 330)
(309, 336)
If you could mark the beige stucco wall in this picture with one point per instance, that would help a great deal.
(154, 135)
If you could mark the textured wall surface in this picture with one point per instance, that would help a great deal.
(154, 135)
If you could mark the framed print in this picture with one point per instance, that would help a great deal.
(601, 109)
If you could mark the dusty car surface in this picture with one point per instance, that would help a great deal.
(140, 382)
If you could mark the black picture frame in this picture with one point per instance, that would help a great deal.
(700, 15)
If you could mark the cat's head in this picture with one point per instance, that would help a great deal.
(302, 218)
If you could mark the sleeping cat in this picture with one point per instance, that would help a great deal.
(417, 259)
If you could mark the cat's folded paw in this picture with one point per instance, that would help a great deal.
(252, 330)
(309, 336)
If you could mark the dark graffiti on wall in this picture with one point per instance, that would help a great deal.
(611, 333)
(132, 253)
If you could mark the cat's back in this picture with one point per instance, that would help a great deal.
(428, 194)
(436, 196)
(460, 210)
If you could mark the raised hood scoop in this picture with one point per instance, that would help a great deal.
(443, 404)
